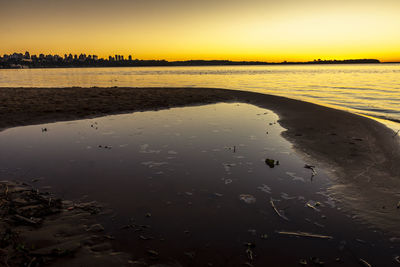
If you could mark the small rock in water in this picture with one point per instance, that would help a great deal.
(270, 162)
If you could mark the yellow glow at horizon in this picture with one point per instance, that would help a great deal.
(336, 32)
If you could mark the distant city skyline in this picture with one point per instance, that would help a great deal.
(253, 30)
(82, 57)
(70, 56)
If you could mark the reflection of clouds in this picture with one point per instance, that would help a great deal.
(295, 177)
(286, 196)
(228, 181)
(108, 133)
(253, 137)
(227, 166)
(330, 201)
(265, 188)
(152, 164)
(145, 149)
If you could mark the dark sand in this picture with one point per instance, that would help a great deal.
(39, 229)
(360, 154)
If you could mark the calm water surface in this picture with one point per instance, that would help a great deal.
(192, 168)
(372, 89)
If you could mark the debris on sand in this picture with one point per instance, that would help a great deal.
(304, 234)
(38, 228)
(364, 263)
(248, 199)
(277, 211)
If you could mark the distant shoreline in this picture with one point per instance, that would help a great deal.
(101, 63)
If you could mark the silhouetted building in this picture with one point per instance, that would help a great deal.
(130, 58)
(17, 56)
(82, 57)
(27, 55)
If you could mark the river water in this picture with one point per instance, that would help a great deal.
(368, 89)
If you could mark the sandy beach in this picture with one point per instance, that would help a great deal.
(360, 154)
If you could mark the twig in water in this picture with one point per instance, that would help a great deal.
(364, 263)
(396, 133)
(312, 168)
(277, 211)
(304, 234)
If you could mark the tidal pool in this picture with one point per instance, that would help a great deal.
(192, 184)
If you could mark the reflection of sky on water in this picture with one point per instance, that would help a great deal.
(199, 169)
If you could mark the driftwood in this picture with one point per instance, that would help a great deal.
(277, 211)
(304, 234)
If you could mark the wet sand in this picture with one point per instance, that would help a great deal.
(40, 229)
(360, 154)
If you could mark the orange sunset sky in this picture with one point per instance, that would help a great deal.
(293, 30)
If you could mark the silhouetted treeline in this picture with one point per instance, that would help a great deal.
(19, 60)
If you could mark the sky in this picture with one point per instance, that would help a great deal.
(265, 30)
